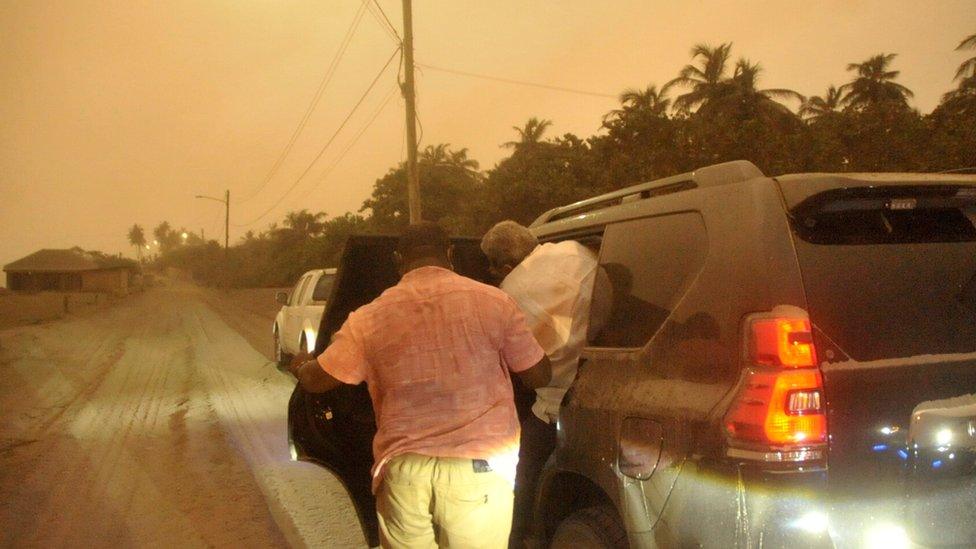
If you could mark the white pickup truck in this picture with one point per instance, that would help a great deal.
(297, 323)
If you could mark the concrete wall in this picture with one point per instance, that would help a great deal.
(109, 280)
(20, 309)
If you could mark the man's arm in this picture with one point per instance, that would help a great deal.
(310, 374)
(538, 375)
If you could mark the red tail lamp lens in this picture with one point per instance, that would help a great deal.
(779, 408)
(783, 342)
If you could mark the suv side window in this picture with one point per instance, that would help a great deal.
(649, 264)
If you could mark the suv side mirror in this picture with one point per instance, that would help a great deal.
(282, 298)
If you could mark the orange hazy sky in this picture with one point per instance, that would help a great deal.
(119, 112)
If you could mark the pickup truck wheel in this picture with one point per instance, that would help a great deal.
(281, 358)
(590, 528)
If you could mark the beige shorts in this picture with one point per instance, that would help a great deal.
(443, 502)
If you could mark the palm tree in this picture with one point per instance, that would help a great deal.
(442, 155)
(632, 100)
(741, 98)
(530, 134)
(968, 67)
(818, 107)
(874, 83)
(137, 238)
(746, 82)
(305, 223)
(704, 79)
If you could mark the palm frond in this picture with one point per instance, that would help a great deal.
(966, 69)
(967, 43)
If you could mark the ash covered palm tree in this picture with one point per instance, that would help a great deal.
(968, 67)
(442, 155)
(530, 133)
(741, 98)
(649, 100)
(817, 107)
(137, 237)
(875, 83)
(704, 79)
(305, 223)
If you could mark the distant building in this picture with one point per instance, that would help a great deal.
(72, 270)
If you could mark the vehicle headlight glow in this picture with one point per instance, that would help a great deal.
(943, 437)
(887, 536)
(813, 522)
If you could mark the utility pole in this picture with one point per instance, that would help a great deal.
(226, 202)
(413, 177)
(226, 223)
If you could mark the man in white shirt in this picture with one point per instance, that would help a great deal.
(553, 285)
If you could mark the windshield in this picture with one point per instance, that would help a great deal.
(890, 279)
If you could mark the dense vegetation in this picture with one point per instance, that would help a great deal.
(712, 112)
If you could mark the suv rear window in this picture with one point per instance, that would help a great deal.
(323, 289)
(890, 276)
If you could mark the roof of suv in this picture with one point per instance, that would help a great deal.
(709, 176)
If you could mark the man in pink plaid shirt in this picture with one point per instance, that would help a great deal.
(437, 351)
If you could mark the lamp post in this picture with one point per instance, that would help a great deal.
(226, 203)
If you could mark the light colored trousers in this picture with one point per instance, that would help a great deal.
(427, 502)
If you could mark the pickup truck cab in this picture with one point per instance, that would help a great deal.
(296, 327)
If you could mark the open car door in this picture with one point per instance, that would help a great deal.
(336, 429)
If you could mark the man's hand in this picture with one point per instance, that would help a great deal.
(310, 374)
(297, 361)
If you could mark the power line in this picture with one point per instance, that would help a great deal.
(387, 19)
(355, 139)
(384, 22)
(518, 82)
(327, 144)
(326, 78)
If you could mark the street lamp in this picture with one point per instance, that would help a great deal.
(226, 203)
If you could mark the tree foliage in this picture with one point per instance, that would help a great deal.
(722, 114)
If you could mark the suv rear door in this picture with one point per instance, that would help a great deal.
(336, 429)
(889, 270)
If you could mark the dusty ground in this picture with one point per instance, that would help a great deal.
(154, 423)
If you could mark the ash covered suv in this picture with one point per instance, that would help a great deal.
(788, 361)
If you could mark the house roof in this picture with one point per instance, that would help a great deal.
(71, 260)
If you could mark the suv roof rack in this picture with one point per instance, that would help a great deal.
(709, 176)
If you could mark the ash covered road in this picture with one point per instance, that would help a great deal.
(154, 423)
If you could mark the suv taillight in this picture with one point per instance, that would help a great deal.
(779, 413)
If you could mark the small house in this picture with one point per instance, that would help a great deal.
(71, 270)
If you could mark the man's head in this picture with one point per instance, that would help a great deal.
(506, 245)
(423, 244)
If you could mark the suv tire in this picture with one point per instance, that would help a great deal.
(590, 528)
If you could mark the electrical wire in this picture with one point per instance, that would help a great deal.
(355, 139)
(383, 21)
(387, 19)
(326, 79)
(327, 144)
(516, 82)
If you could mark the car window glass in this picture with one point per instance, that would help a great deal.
(323, 288)
(295, 298)
(649, 264)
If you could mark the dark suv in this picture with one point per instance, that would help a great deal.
(788, 361)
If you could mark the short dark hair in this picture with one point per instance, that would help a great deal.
(423, 239)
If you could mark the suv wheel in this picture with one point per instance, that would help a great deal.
(281, 358)
(590, 528)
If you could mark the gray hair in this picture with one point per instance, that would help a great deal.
(507, 243)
